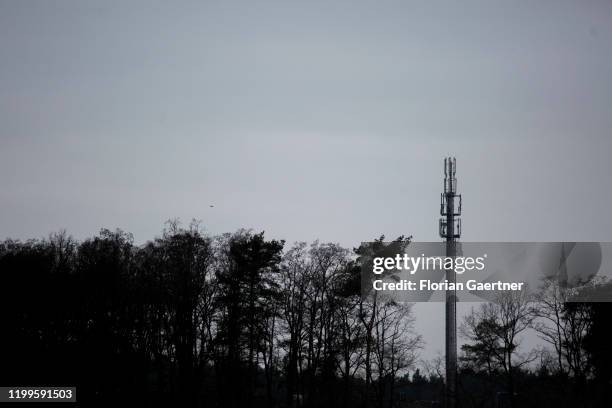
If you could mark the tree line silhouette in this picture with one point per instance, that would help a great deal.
(240, 320)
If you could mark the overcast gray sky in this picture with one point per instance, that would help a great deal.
(306, 119)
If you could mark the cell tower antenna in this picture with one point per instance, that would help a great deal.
(450, 230)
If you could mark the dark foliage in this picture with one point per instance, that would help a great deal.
(240, 321)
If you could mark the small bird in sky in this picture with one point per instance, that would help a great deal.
(211, 206)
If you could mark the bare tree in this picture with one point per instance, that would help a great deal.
(293, 284)
(395, 346)
(495, 332)
(350, 339)
(369, 302)
(564, 326)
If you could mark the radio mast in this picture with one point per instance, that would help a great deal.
(450, 230)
